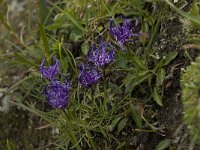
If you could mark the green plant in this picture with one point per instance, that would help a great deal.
(102, 111)
(190, 83)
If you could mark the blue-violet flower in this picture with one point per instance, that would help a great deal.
(123, 33)
(101, 56)
(49, 72)
(88, 75)
(57, 94)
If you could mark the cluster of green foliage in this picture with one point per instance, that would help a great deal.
(191, 98)
(136, 76)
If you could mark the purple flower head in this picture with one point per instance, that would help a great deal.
(100, 56)
(49, 72)
(123, 33)
(88, 75)
(57, 94)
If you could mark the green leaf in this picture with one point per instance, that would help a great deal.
(120, 146)
(132, 80)
(44, 12)
(163, 144)
(114, 123)
(10, 145)
(24, 60)
(85, 48)
(103, 131)
(2, 19)
(139, 63)
(122, 125)
(159, 65)
(136, 116)
(169, 58)
(161, 76)
(194, 10)
(157, 97)
(45, 42)
(54, 26)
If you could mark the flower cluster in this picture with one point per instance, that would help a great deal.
(49, 72)
(89, 75)
(123, 33)
(98, 58)
(56, 92)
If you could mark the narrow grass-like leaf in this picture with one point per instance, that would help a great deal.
(158, 65)
(157, 97)
(169, 58)
(103, 131)
(139, 63)
(10, 145)
(34, 111)
(153, 36)
(194, 10)
(70, 128)
(122, 125)
(5, 23)
(136, 116)
(16, 85)
(161, 76)
(133, 80)
(121, 145)
(71, 59)
(23, 60)
(88, 134)
(44, 12)
(45, 42)
(114, 123)
(86, 17)
(163, 144)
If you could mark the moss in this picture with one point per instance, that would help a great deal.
(191, 98)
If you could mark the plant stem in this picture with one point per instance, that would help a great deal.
(88, 134)
(70, 131)
(92, 99)
(105, 91)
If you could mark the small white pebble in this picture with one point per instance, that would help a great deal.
(5, 104)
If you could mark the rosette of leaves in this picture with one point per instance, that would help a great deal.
(190, 83)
